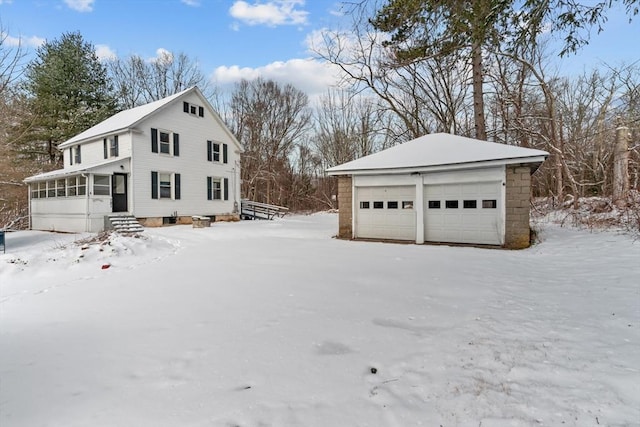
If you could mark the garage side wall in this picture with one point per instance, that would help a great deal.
(518, 197)
(345, 207)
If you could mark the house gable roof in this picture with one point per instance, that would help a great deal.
(436, 150)
(128, 119)
(123, 120)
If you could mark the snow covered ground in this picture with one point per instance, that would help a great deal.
(277, 324)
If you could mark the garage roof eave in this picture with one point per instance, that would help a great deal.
(534, 161)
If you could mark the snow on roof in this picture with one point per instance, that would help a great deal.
(72, 170)
(124, 119)
(438, 149)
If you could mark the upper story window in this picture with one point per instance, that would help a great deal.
(165, 142)
(110, 147)
(193, 109)
(75, 155)
(217, 152)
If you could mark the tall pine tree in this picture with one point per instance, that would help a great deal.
(69, 91)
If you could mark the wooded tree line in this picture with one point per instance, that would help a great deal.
(408, 68)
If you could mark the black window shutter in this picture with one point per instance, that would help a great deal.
(209, 151)
(154, 185)
(115, 140)
(209, 188)
(224, 153)
(176, 144)
(154, 140)
(71, 156)
(225, 183)
(79, 154)
(201, 111)
(104, 148)
(177, 181)
(185, 107)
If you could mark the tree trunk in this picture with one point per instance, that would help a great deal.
(478, 92)
(558, 177)
(621, 166)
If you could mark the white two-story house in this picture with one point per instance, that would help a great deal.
(162, 162)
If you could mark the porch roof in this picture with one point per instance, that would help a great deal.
(74, 170)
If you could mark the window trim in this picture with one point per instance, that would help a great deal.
(110, 147)
(215, 153)
(167, 143)
(173, 142)
(222, 186)
(101, 186)
(77, 155)
(175, 185)
(170, 185)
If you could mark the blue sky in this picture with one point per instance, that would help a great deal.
(232, 39)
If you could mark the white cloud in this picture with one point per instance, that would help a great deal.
(104, 52)
(80, 5)
(311, 76)
(271, 13)
(162, 55)
(33, 41)
(6, 1)
(192, 3)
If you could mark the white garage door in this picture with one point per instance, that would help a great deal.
(385, 212)
(463, 213)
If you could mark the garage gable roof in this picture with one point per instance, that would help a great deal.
(440, 149)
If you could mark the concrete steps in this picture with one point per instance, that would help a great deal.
(125, 224)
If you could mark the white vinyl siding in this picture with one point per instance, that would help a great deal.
(192, 164)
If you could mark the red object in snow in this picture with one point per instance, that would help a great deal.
(105, 266)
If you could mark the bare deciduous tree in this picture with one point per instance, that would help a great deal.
(270, 120)
(138, 81)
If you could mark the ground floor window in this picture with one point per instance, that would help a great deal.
(101, 185)
(217, 188)
(77, 186)
(69, 187)
(165, 185)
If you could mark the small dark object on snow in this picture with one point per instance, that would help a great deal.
(374, 371)
(105, 266)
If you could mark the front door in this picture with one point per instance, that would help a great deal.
(119, 192)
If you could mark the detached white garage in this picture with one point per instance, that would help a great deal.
(439, 188)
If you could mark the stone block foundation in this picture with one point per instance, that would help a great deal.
(345, 214)
(518, 199)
